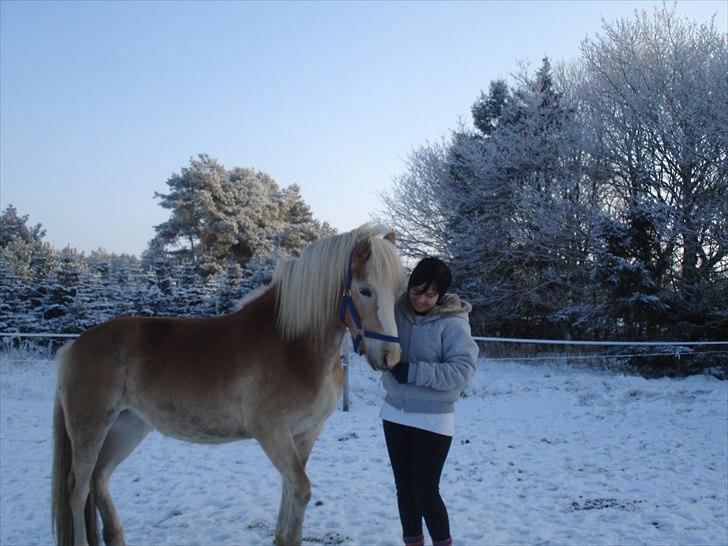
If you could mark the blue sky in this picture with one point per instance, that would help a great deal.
(100, 102)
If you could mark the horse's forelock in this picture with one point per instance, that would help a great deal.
(308, 288)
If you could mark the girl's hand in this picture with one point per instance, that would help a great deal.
(400, 372)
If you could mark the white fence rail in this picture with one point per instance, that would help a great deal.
(597, 343)
(41, 335)
(476, 338)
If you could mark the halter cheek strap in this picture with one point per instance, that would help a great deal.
(347, 304)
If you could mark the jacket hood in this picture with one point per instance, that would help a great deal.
(450, 304)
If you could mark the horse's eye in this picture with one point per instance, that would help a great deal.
(365, 292)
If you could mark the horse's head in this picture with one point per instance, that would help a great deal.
(366, 265)
(373, 284)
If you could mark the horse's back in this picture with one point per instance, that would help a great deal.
(197, 349)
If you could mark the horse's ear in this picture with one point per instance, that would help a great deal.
(391, 238)
(359, 257)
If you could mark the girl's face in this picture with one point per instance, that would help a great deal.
(422, 303)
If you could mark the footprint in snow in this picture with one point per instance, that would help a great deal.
(328, 538)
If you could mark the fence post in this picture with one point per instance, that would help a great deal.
(345, 363)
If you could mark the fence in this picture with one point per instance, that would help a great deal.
(346, 349)
(476, 338)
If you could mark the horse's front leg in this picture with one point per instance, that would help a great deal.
(278, 444)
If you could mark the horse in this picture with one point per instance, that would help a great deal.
(269, 371)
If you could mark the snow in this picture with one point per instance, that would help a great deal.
(542, 454)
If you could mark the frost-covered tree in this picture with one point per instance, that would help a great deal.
(45, 290)
(23, 248)
(13, 226)
(295, 227)
(142, 293)
(95, 295)
(505, 204)
(219, 215)
(160, 266)
(419, 206)
(629, 302)
(227, 288)
(24, 259)
(200, 200)
(15, 300)
(258, 271)
(654, 96)
(59, 292)
(256, 211)
(523, 242)
(224, 291)
(593, 201)
(188, 294)
(488, 107)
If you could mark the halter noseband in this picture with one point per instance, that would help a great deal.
(347, 303)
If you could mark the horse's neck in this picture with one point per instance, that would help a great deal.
(322, 350)
(329, 346)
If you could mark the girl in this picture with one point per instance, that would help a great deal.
(437, 363)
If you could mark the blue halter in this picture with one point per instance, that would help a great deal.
(347, 303)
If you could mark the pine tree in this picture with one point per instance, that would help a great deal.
(13, 226)
(159, 266)
(15, 309)
(59, 291)
(227, 288)
(220, 215)
(188, 295)
(297, 226)
(90, 304)
(487, 109)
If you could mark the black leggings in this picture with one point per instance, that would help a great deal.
(417, 458)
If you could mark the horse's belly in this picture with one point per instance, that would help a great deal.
(213, 425)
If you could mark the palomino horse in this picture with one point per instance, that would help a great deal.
(269, 371)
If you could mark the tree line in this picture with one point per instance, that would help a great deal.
(224, 232)
(590, 199)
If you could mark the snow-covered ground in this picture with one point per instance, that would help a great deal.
(543, 454)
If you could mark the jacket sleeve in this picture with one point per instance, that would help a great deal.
(459, 353)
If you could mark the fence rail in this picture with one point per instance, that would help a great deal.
(596, 343)
(593, 343)
(41, 335)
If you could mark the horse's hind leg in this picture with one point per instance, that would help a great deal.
(123, 437)
(87, 436)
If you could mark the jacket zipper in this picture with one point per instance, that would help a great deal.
(409, 345)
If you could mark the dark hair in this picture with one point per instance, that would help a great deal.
(431, 271)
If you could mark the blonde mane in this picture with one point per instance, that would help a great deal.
(308, 288)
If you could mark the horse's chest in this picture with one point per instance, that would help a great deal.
(321, 407)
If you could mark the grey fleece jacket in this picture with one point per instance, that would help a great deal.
(441, 355)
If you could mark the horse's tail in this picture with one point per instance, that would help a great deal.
(61, 516)
(60, 509)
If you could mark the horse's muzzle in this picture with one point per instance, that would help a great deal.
(391, 357)
(382, 356)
